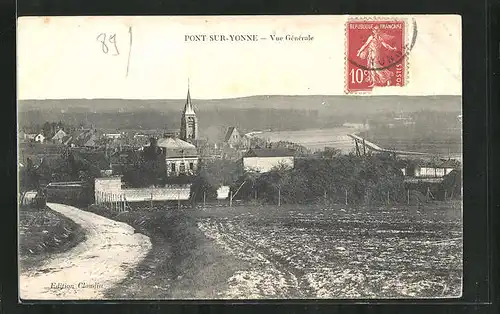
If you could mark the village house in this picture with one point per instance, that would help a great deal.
(82, 138)
(59, 136)
(428, 170)
(265, 159)
(234, 139)
(39, 138)
(113, 136)
(21, 135)
(26, 137)
(181, 157)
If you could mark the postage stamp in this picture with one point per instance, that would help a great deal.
(376, 54)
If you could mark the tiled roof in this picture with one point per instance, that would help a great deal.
(229, 132)
(59, 135)
(176, 147)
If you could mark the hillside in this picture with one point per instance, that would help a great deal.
(325, 104)
(249, 113)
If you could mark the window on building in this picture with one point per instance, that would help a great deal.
(172, 167)
(182, 168)
(191, 165)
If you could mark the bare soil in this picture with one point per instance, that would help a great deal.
(296, 252)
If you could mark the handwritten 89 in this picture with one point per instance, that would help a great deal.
(106, 39)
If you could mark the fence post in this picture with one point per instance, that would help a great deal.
(178, 199)
(279, 197)
(151, 201)
(408, 196)
(346, 196)
(204, 199)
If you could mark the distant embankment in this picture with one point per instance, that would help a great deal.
(315, 139)
(361, 141)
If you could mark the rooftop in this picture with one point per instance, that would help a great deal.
(176, 147)
(229, 132)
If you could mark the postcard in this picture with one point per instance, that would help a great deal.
(240, 157)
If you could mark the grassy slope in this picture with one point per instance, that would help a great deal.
(182, 264)
(45, 232)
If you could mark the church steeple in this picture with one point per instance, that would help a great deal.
(188, 107)
(189, 122)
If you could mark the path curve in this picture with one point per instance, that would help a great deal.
(111, 249)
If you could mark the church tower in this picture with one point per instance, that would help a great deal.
(189, 122)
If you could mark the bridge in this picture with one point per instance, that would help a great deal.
(362, 145)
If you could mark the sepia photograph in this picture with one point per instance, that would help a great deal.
(240, 157)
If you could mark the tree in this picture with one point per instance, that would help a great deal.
(203, 187)
(47, 129)
(53, 129)
(212, 175)
(452, 184)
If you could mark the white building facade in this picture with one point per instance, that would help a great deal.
(265, 160)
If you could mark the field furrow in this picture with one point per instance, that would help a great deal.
(337, 254)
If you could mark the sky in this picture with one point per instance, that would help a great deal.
(63, 58)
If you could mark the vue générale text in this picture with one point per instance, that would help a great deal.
(244, 37)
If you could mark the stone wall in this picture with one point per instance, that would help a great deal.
(111, 190)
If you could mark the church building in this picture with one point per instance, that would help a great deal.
(180, 153)
(189, 122)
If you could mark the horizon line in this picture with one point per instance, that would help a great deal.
(263, 95)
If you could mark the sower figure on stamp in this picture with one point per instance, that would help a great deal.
(371, 51)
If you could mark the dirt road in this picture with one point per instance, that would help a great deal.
(104, 259)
